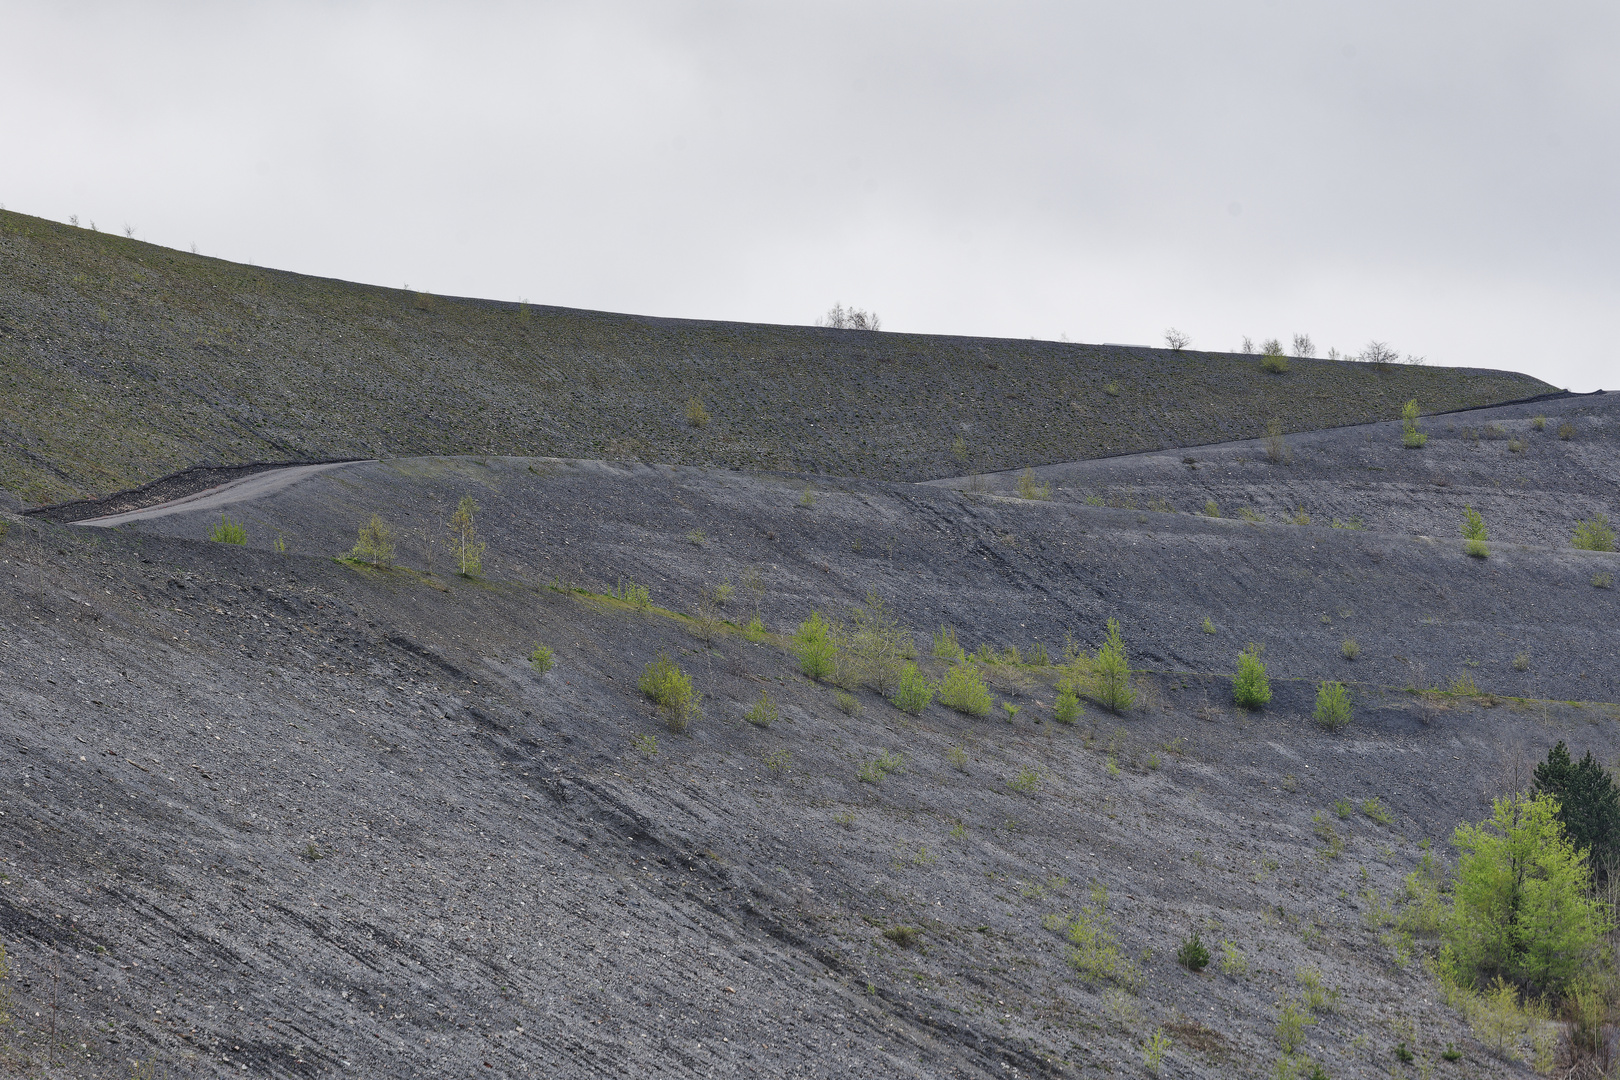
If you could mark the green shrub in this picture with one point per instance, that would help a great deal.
(1210, 509)
(754, 630)
(1349, 649)
(915, 691)
(1039, 657)
(1603, 580)
(464, 536)
(1250, 687)
(1209, 625)
(848, 703)
(873, 772)
(1277, 451)
(1343, 808)
(666, 684)
(1332, 705)
(1291, 1024)
(1111, 673)
(1318, 996)
(764, 713)
(959, 450)
(1522, 905)
(1566, 431)
(375, 544)
(696, 414)
(1539, 423)
(1030, 488)
(963, 690)
(1193, 955)
(1066, 709)
(958, 757)
(903, 936)
(541, 659)
(1027, 782)
(946, 647)
(813, 644)
(1276, 363)
(1093, 949)
(876, 644)
(1411, 437)
(1011, 709)
(1474, 533)
(1233, 962)
(1375, 809)
(1594, 534)
(696, 537)
(229, 532)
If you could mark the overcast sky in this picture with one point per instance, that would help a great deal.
(1441, 177)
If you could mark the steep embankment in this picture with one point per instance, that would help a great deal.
(122, 361)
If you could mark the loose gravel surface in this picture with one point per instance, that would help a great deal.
(280, 815)
(122, 362)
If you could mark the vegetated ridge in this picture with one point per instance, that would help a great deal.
(122, 362)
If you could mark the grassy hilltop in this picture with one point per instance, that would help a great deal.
(122, 361)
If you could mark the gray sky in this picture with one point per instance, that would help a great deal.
(1438, 176)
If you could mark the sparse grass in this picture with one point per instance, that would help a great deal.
(846, 818)
(778, 761)
(1027, 782)
(1318, 997)
(754, 629)
(1251, 689)
(1349, 649)
(1332, 705)
(1464, 686)
(1603, 580)
(874, 771)
(1594, 534)
(764, 712)
(903, 936)
(541, 659)
(1252, 516)
(637, 596)
(664, 683)
(946, 647)
(231, 532)
(722, 593)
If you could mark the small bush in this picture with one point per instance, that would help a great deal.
(903, 936)
(1066, 709)
(964, 691)
(848, 703)
(1210, 509)
(646, 743)
(230, 532)
(1039, 657)
(1250, 687)
(375, 544)
(959, 450)
(1154, 1049)
(946, 647)
(1277, 451)
(1027, 782)
(1539, 423)
(915, 692)
(873, 772)
(754, 630)
(1193, 955)
(696, 414)
(807, 498)
(1566, 431)
(1411, 437)
(1594, 534)
(1375, 809)
(1209, 625)
(1343, 808)
(1276, 364)
(1250, 515)
(1516, 446)
(1030, 488)
(958, 757)
(778, 760)
(667, 685)
(1011, 709)
(722, 593)
(1603, 580)
(635, 595)
(1233, 962)
(1474, 533)
(1332, 705)
(541, 659)
(1111, 676)
(1521, 661)
(764, 713)
(1349, 649)
(1291, 1024)
(813, 644)
(1093, 950)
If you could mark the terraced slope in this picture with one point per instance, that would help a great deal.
(122, 361)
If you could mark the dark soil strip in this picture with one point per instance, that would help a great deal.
(174, 486)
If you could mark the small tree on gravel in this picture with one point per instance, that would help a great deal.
(1111, 673)
(1176, 339)
(1332, 705)
(1588, 804)
(464, 536)
(375, 544)
(1411, 437)
(964, 689)
(1250, 687)
(1474, 534)
(813, 644)
(1594, 534)
(839, 317)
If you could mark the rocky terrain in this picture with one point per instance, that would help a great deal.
(269, 813)
(122, 362)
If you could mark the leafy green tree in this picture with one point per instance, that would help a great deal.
(1111, 673)
(464, 535)
(813, 643)
(1521, 906)
(1474, 533)
(1250, 686)
(1588, 804)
